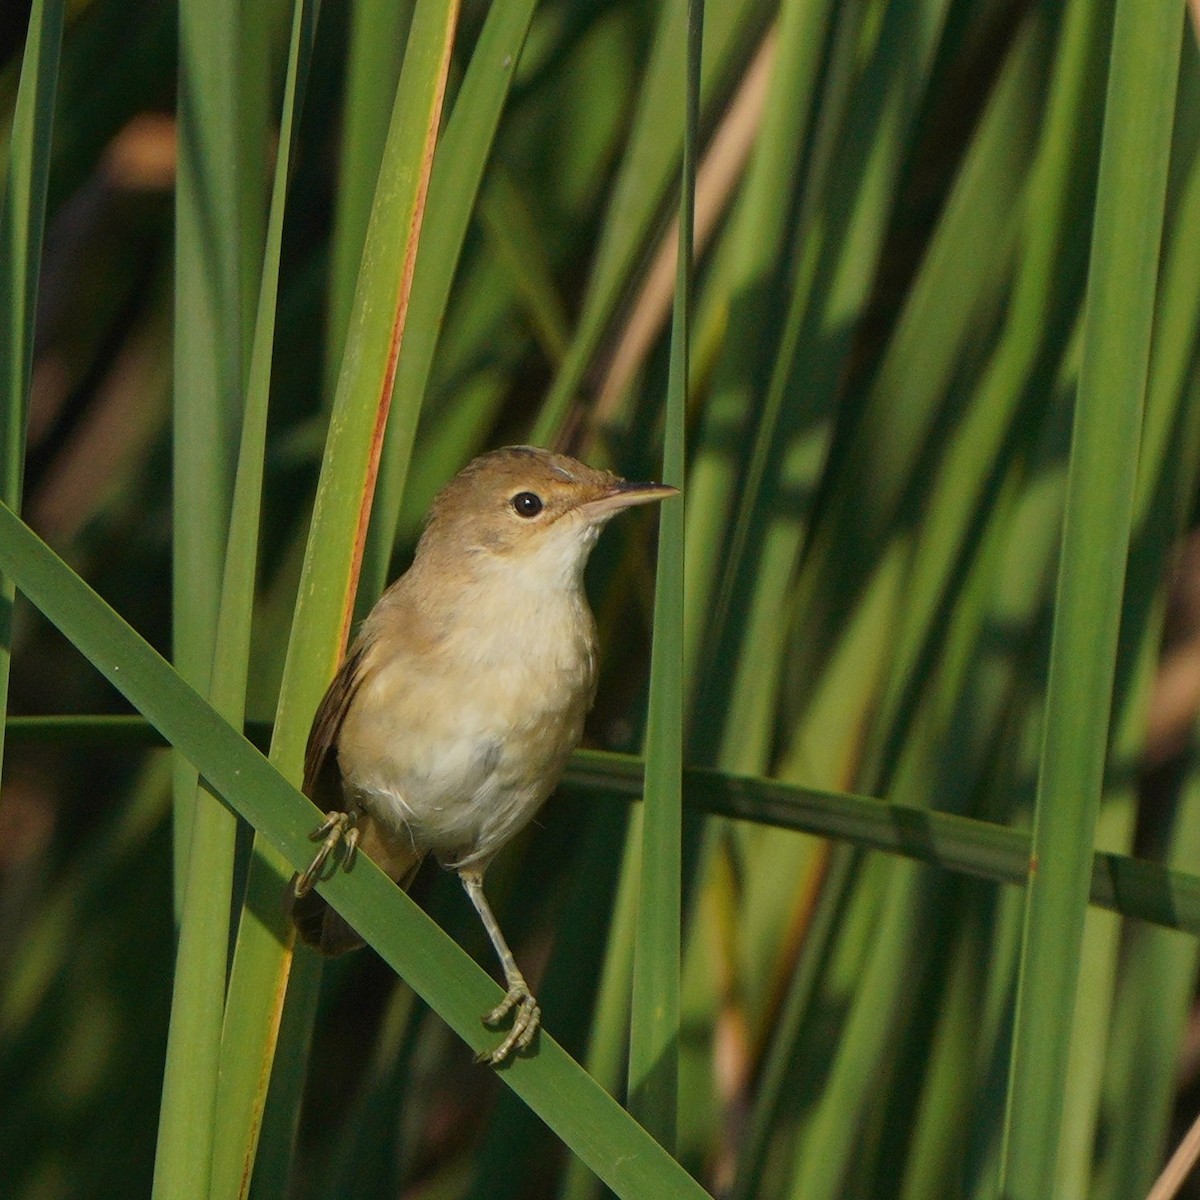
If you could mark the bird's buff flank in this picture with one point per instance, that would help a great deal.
(453, 715)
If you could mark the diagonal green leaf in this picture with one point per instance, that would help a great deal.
(573, 1105)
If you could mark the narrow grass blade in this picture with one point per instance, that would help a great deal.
(1131, 886)
(1109, 991)
(22, 221)
(654, 1035)
(1099, 508)
(209, 333)
(378, 31)
(1134, 887)
(453, 186)
(1159, 970)
(609, 1038)
(188, 1107)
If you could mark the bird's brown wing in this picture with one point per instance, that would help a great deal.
(318, 924)
(320, 754)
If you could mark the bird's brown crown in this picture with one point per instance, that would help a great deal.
(504, 500)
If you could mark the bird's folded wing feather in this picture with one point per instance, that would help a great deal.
(321, 751)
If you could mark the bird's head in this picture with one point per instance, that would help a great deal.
(526, 509)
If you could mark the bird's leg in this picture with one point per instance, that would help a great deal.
(338, 827)
(527, 1016)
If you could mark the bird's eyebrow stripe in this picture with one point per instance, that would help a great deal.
(562, 472)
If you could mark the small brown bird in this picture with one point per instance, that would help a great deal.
(453, 715)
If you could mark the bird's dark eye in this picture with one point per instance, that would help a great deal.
(527, 504)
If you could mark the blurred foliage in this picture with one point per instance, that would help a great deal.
(891, 283)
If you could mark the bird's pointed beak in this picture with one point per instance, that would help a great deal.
(624, 494)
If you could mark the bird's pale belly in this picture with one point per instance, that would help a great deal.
(459, 781)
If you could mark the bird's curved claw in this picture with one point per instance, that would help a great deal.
(337, 829)
(527, 1019)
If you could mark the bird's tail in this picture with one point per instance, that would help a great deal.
(322, 926)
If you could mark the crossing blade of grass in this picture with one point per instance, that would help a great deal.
(1134, 887)
(22, 221)
(1100, 490)
(189, 1094)
(1131, 886)
(573, 1105)
(654, 1034)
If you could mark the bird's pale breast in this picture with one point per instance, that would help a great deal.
(456, 747)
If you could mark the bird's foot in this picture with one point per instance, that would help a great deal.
(337, 829)
(527, 1018)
